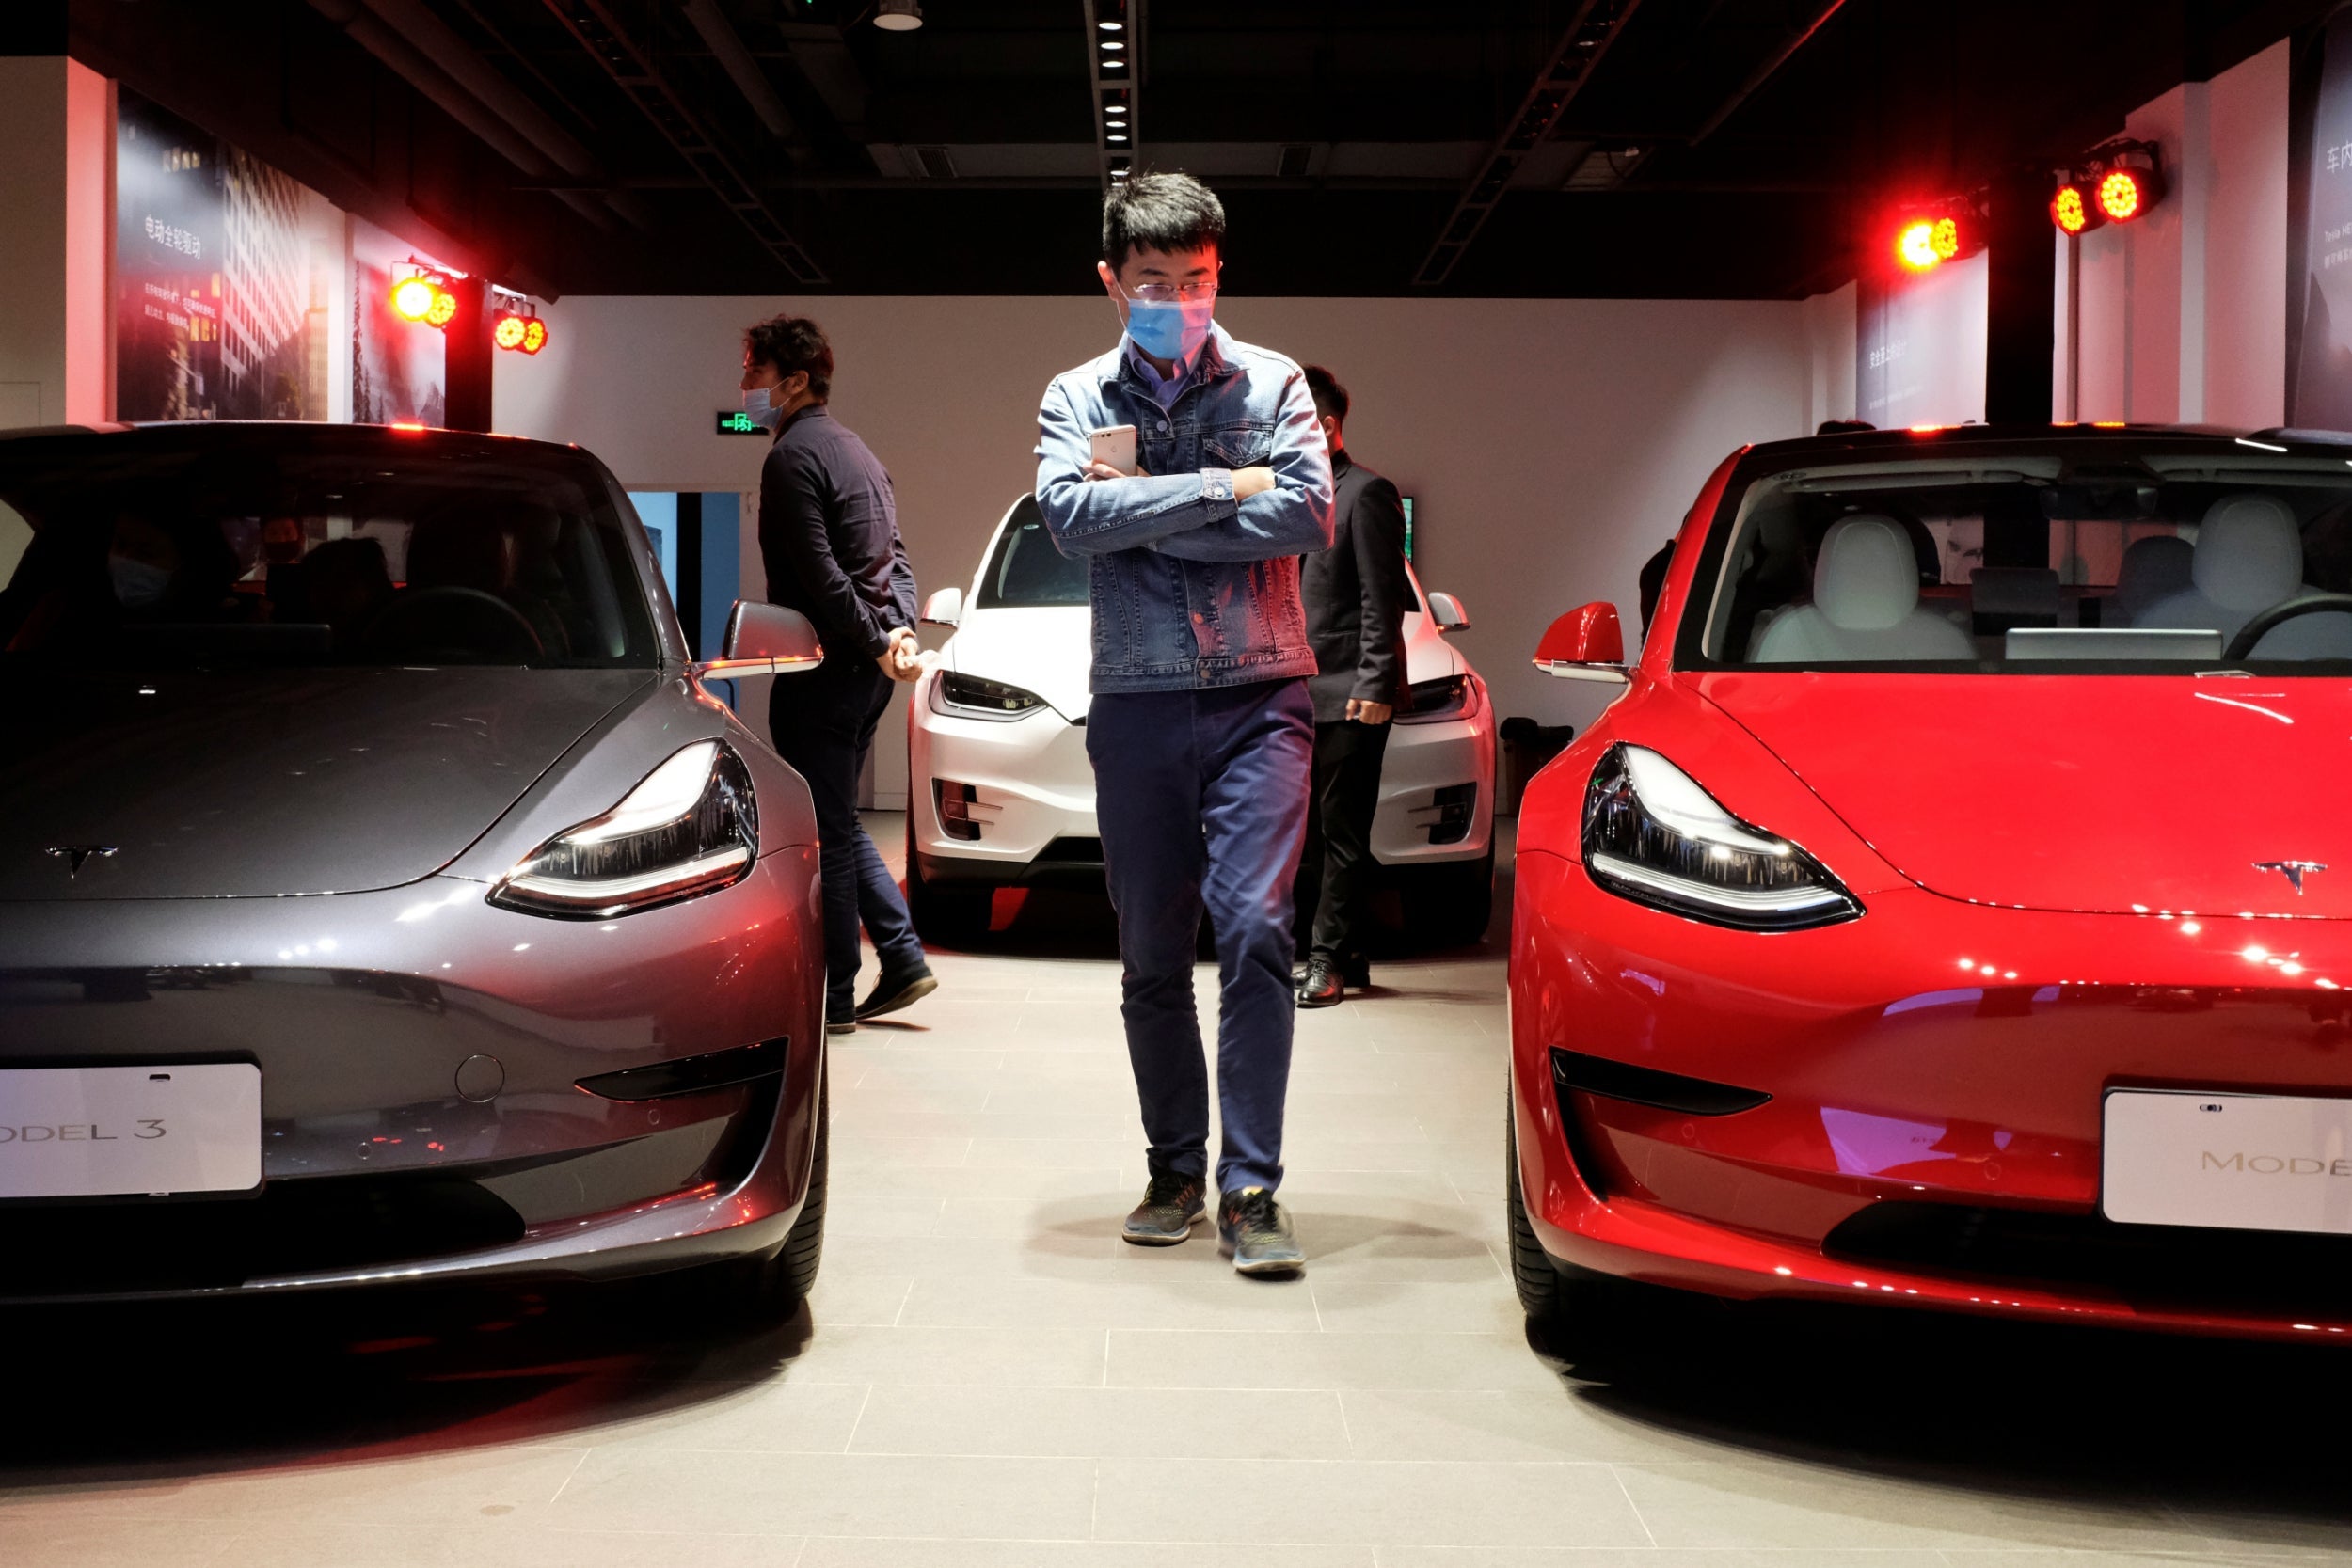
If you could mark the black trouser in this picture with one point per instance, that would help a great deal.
(823, 724)
(1336, 870)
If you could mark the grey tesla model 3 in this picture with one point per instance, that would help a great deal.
(383, 894)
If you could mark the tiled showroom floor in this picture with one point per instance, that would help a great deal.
(986, 1377)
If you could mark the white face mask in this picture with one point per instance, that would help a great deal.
(137, 584)
(760, 404)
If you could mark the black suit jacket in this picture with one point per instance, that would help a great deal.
(1356, 594)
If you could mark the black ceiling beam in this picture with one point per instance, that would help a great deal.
(592, 22)
(1764, 74)
(1582, 45)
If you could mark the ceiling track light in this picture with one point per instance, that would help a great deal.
(898, 16)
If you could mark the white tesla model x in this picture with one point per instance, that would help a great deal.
(1000, 793)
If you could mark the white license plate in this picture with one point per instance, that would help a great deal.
(94, 1132)
(2236, 1162)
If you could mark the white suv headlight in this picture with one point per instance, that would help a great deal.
(690, 827)
(1652, 835)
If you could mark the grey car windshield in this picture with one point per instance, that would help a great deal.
(306, 547)
(2051, 556)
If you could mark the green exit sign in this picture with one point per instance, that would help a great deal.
(734, 421)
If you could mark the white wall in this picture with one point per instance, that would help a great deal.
(1550, 445)
(57, 128)
(2183, 312)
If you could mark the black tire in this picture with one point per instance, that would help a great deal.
(805, 1248)
(1451, 905)
(769, 1288)
(949, 914)
(1543, 1294)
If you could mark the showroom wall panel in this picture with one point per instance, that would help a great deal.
(1550, 444)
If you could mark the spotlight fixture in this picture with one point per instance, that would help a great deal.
(2116, 183)
(518, 329)
(898, 16)
(413, 297)
(424, 296)
(1915, 245)
(1925, 239)
(2073, 210)
(2132, 183)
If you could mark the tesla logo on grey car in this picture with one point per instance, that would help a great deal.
(2294, 871)
(78, 855)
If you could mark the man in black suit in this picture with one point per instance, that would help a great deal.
(1354, 592)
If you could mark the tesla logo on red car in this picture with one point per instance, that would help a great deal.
(2294, 871)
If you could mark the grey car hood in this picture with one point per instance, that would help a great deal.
(265, 784)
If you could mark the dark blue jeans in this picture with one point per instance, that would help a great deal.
(823, 726)
(1201, 796)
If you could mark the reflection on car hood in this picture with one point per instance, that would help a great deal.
(2105, 793)
(1045, 650)
(242, 784)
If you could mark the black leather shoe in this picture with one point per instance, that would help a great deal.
(1356, 971)
(1320, 986)
(893, 991)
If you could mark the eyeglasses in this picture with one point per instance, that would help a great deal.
(1169, 293)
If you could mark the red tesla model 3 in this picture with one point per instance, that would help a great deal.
(1954, 909)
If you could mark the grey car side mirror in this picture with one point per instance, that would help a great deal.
(1448, 612)
(945, 608)
(765, 639)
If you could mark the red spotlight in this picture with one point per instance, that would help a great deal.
(535, 335)
(1915, 245)
(2072, 212)
(444, 308)
(508, 332)
(413, 298)
(2121, 196)
(1943, 239)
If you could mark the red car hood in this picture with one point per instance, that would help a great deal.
(2104, 793)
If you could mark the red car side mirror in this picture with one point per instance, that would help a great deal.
(1586, 643)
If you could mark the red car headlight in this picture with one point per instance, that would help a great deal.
(1652, 835)
(690, 827)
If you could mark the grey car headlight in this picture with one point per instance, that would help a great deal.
(1652, 835)
(691, 827)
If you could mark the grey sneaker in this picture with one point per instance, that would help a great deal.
(1253, 1231)
(1171, 1206)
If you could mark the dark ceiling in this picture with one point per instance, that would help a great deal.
(1693, 148)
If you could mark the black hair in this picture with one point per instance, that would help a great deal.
(1330, 396)
(1843, 427)
(793, 343)
(1160, 212)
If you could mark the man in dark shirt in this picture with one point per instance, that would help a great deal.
(829, 537)
(1354, 594)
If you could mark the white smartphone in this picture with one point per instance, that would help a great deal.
(1114, 445)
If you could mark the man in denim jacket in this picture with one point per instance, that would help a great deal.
(1200, 731)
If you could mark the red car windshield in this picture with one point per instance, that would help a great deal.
(2115, 555)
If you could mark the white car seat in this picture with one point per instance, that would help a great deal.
(1865, 604)
(2249, 557)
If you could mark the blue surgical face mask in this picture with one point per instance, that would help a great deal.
(1170, 329)
(762, 408)
(137, 584)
